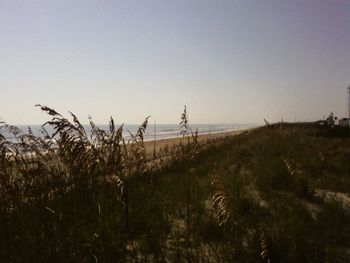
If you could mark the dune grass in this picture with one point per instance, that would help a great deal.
(274, 194)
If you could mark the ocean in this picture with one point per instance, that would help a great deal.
(161, 131)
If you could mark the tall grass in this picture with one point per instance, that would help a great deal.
(78, 196)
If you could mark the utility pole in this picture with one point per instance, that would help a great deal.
(349, 105)
(349, 102)
(154, 139)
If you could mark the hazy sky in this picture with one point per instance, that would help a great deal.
(228, 61)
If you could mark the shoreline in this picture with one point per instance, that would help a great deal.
(171, 141)
(162, 142)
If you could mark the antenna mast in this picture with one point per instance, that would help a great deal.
(349, 102)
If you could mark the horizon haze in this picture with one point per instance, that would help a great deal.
(227, 61)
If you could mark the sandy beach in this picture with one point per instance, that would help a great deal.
(201, 137)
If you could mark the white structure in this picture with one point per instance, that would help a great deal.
(346, 121)
(330, 119)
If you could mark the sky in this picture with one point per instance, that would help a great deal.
(228, 61)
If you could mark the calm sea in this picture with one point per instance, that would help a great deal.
(160, 131)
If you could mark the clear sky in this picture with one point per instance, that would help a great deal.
(228, 61)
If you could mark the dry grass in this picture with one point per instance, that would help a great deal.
(219, 199)
(76, 196)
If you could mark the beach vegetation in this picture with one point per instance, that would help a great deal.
(277, 193)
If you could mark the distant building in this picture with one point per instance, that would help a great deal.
(330, 119)
(344, 122)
